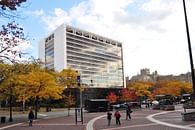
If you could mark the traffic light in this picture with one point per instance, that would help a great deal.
(79, 80)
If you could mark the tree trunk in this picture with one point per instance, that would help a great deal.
(68, 111)
(36, 107)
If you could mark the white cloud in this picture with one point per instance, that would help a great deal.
(52, 19)
(153, 31)
(56, 18)
(24, 45)
(35, 13)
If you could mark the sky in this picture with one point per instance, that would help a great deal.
(153, 32)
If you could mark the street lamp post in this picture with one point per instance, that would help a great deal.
(79, 111)
(190, 50)
(10, 105)
(81, 98)
(79, 87)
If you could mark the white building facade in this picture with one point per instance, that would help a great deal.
(98, 59)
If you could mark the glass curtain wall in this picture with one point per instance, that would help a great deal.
(96, 58)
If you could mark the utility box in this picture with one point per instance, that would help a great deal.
(3, 119)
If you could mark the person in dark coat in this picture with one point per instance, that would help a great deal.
(31, 117)
(109, 117)
(128, 112)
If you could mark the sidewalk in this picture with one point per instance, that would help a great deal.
(50, 121)
(146, 119)
(19, 117)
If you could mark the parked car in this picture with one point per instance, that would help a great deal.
(119, 106)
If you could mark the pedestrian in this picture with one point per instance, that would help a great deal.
(31, 117)
(128, 112)
(109, 117)
(117, 116)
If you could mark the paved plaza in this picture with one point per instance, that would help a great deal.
(142, 119)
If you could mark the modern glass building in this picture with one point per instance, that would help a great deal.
(98, 59)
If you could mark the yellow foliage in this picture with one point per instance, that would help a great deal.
(141, 88)
(38, 84)
(174, 88)
(68, 78)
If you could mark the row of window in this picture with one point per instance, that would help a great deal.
(92, 51)
(84, 42)
(85, 59)
(92, 36)
(91, 56)
(51, 37)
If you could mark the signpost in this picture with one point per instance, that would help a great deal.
(79, 115)
(79, 111)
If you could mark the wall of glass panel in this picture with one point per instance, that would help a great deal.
(98, 59)
(49, 52)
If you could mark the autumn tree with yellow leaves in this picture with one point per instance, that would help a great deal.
(5, 70)
(38, 84)
(141, 89)
(68, 79)
(150, 90)
(9, 79)
(174, 88)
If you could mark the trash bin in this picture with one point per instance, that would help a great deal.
(48, 109)
(3, 119)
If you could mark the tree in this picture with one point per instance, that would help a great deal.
(125, 95)
(141, 89)
(9, 5)
(4, 74)
(9, 73)
(186, 88)
(112, 97)
(8, 81)
(174, 88)
(69, 100)
(38, 85)
(12, 36)
(68, 79)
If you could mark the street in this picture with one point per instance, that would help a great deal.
(146, 119)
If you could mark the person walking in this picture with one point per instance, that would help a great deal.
(117, 116)
(128, 112)
(109, 117)
(31, 117)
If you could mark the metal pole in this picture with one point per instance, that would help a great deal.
(189, 47)
(10, 106)
(81, 99)
(79, 84)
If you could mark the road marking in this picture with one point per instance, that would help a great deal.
(131, 126)
(105, 118)
(176, 119)
(42, 114)
(150, 117)
(91, 122)
(190, 125)
(57, 124)
(5, 127)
